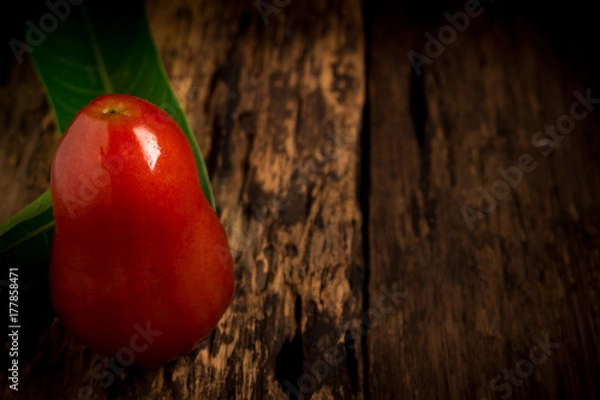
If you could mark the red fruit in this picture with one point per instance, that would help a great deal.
(141, 269)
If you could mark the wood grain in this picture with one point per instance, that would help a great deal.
(277, 113)
(341, 176)
(480, 292)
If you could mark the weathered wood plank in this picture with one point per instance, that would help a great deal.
(276, 105)
(276, 102)
(478, 299)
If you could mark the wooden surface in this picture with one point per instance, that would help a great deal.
(341, 176)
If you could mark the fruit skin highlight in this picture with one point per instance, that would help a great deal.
(140, 263)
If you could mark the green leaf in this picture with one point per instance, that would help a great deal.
(33, 220)
(101, 47)
(106, 47)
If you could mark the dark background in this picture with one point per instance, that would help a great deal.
(422, 146)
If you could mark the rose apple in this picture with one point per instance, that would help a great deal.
(140, 268)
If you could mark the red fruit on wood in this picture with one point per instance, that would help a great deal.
(141, 268)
